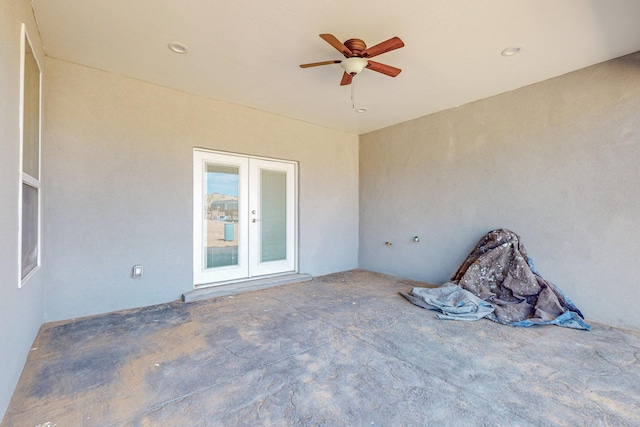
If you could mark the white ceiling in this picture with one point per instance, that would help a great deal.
(247, 51)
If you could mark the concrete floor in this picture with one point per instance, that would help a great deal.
(340, 350)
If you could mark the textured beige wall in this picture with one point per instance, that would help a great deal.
(20, 309)
(556, 162)
(120, 159)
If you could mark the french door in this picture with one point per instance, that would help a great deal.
(244, 217)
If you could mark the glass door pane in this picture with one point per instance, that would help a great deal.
(220, 210)
(273, 202)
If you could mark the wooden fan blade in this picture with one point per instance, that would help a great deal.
(383, 68)
(386, 46)
(316, 64)
(333, 41)
(346, 79)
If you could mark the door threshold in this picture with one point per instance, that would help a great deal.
(244, 286)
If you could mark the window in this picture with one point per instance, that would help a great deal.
(30, 134)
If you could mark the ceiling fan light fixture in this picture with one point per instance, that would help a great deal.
(353, 65)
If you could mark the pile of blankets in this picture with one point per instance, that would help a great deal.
(498, 281)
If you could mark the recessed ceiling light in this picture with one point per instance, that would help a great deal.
(178, 47)
(361, 110)
(511, 50)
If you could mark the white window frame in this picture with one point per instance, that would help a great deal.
(26, 178)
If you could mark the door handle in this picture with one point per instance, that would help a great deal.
(255, 220)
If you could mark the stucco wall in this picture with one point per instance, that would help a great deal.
(120, 156)
(20, 308)
(556, 162)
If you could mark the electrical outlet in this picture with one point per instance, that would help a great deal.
(137, 272)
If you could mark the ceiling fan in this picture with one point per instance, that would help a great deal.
(357, 57)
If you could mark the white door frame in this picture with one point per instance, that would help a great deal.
(248, 266)
(256, 266)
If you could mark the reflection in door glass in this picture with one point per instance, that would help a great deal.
(220, 215)
(273, 190)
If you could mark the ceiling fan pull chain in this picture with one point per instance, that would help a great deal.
(353, 96)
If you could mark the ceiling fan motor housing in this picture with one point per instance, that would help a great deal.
(356, 46)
